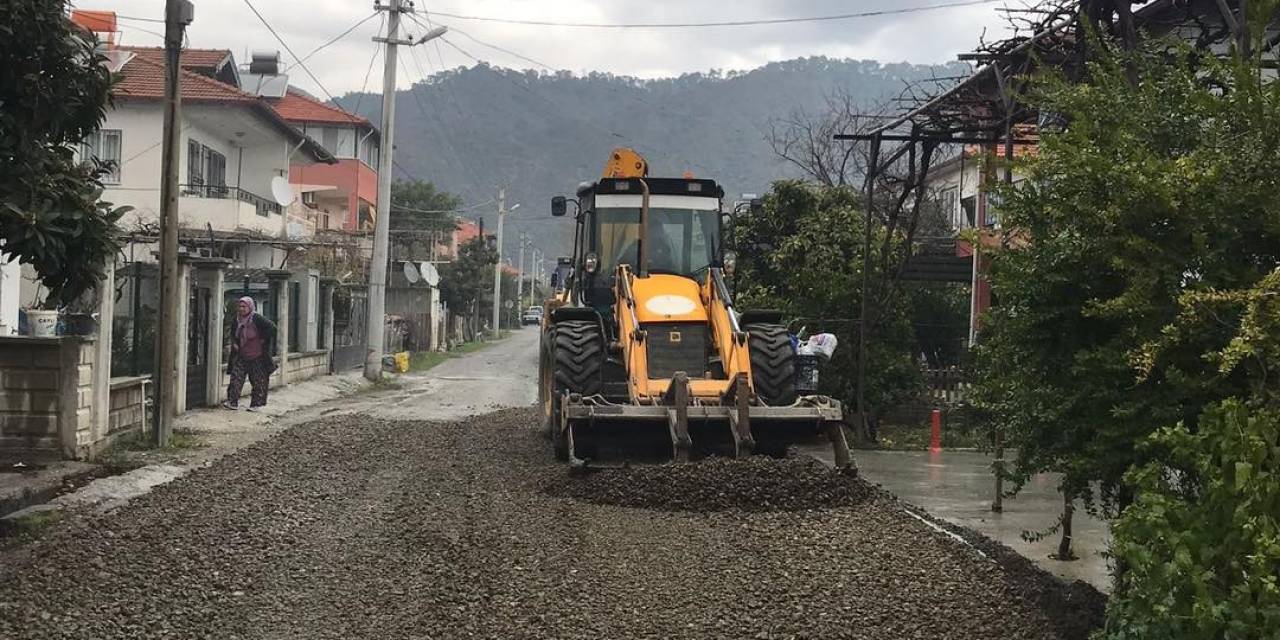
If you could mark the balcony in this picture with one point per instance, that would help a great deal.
(229, 209)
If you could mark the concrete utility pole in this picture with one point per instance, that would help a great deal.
(520, 274)
(177, 15)
(497, 267)
(376, 323)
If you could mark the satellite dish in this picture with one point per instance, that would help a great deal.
(410, 272)
(281, 191)
(429, 274)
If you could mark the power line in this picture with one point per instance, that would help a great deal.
(157, 20)
(731, 23)
(368, 72)
(497, 48)
(290, 50)
(335, 39)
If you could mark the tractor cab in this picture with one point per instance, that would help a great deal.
(678, 234)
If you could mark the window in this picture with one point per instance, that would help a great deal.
(969, 209)
(346, 147)
(195, 165)
(329, 139)
(679, 241)
(206, 171)
(947, 207)
(215, 172)
(104, 146)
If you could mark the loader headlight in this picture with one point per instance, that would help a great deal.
(591, 263)
(730, 262)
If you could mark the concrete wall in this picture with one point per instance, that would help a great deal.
(46, 397)
(128, 407)
(10, 300)
(307, 365)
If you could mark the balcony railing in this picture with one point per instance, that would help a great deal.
(263, 206)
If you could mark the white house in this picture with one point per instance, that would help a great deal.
(233, 145)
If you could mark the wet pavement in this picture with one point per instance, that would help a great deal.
(957, 486)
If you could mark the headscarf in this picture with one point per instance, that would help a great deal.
(248, 317)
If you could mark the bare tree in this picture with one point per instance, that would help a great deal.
(807, 141)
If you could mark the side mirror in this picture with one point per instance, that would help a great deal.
(558, 207)
(555, 279)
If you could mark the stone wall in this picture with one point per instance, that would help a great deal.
(46, 397)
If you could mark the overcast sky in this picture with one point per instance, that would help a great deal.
(923, 37)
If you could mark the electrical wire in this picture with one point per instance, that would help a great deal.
(364, 86)
(497, 48)
(284, 44)
(730, 23)
(335, 39)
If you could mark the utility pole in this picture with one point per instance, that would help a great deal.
(376, 323)
(497, 267)
(520, 275)
(177, 15)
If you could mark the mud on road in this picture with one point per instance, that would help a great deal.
(354, 527)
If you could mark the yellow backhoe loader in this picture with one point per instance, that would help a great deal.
(642, 351)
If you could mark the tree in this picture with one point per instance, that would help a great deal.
(55, 91)
(1201, 542)
(468, 280)
(802, 254)
(417, 209)
(1154, 190)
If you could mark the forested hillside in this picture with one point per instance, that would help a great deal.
(469, 129)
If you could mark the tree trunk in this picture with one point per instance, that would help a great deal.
(1064, 544)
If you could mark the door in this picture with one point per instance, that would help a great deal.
(197, 346)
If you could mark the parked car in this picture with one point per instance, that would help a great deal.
(532, 315)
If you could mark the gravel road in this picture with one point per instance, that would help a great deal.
(354, 526)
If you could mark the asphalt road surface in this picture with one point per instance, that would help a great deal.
(418, 512)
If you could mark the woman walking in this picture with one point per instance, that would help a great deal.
(251, 341)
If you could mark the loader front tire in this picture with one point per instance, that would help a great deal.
(772, 364)
(577, 354)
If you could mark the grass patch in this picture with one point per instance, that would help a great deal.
(119, 454)
(423, 360)
(30, 527)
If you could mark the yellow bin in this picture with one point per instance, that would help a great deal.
(402, 362)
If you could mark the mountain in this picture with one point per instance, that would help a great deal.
(470, 129)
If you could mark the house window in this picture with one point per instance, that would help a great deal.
(969, 211)
(329, 139)
(195, 166)
(346, 143)
(947, 207)
(215, 172)
(206, 171)
(104, 145)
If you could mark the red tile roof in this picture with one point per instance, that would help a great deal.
(143, 79)
(296, 106)
(191, 58)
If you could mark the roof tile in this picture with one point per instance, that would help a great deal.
(298, 107)
(142, 78)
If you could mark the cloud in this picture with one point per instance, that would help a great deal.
(924, 37)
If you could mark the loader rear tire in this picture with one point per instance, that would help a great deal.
(577, 354)
(772, 364)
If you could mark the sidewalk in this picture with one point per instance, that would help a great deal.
(957, 486)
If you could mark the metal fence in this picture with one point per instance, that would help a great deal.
(946, 386)
(133, 333)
